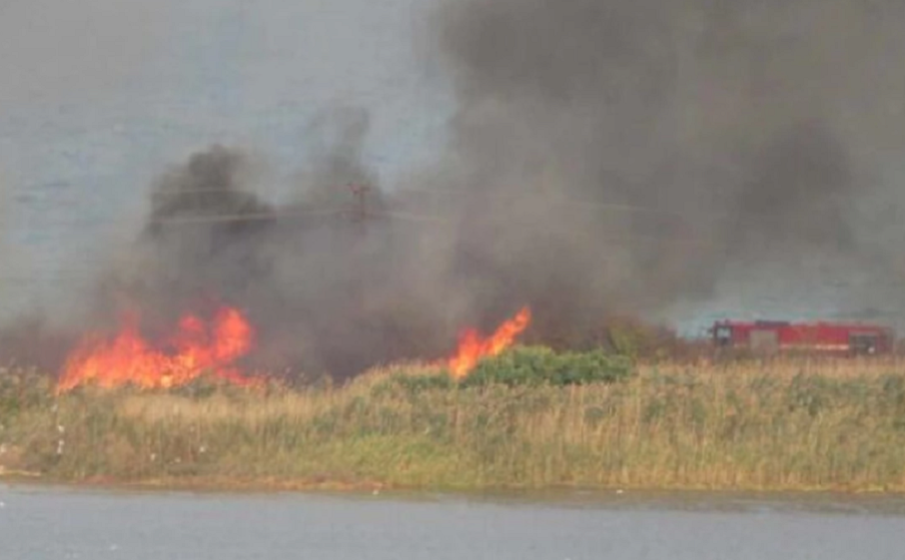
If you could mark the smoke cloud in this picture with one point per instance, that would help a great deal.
(719, 134)
(606, 157)
(330, 289)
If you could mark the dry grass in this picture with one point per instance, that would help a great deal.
(780, 425)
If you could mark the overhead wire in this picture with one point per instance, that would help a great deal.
(353, 210)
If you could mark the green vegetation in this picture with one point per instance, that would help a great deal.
(537, 366)
(528, 366)
(530, 418)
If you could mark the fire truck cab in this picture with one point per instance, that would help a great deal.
(768, 337)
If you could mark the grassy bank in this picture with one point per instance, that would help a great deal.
(787, 425)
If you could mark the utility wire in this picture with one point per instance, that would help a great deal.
(354, 210)
(450, 192)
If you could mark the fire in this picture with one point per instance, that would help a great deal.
(194, 348)
(472, 347)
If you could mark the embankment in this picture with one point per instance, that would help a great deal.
(786, 425)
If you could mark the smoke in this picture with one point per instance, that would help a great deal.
(731, 134)
(606, 157)
(330, 289)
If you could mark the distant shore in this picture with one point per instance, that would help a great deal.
(788, 425)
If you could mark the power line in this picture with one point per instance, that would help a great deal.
(357, 204)
(359, 211)
(244, 217)
(582, 202)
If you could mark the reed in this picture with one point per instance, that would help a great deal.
(791, 424)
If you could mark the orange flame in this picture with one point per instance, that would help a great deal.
(195, 348)
(472, 347)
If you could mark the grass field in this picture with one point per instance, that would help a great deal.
(779, 425)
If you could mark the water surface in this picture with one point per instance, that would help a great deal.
(39, 523)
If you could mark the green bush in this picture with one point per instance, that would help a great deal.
(537, 365)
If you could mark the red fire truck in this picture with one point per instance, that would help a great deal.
(850, 339)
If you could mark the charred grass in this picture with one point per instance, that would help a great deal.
(777, 425)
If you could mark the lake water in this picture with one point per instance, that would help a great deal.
(47, 523)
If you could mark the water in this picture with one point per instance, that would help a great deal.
(40, 524)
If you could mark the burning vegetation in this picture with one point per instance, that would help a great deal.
(473, 348)
(607, 159)
(196, 347)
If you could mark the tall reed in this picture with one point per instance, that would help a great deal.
(779, 425)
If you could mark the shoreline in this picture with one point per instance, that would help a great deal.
(738, 501)
(222, 485)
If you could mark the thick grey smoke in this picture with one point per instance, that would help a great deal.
(329, 288)
(606, 157)
(750, 133)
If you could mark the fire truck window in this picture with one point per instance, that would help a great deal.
(723, 336)
(864, 344)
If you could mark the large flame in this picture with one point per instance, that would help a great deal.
(195, 348)
(472, 347)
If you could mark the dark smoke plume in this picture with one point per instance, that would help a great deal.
(740, 133)
(607, 158)
(331, 289)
